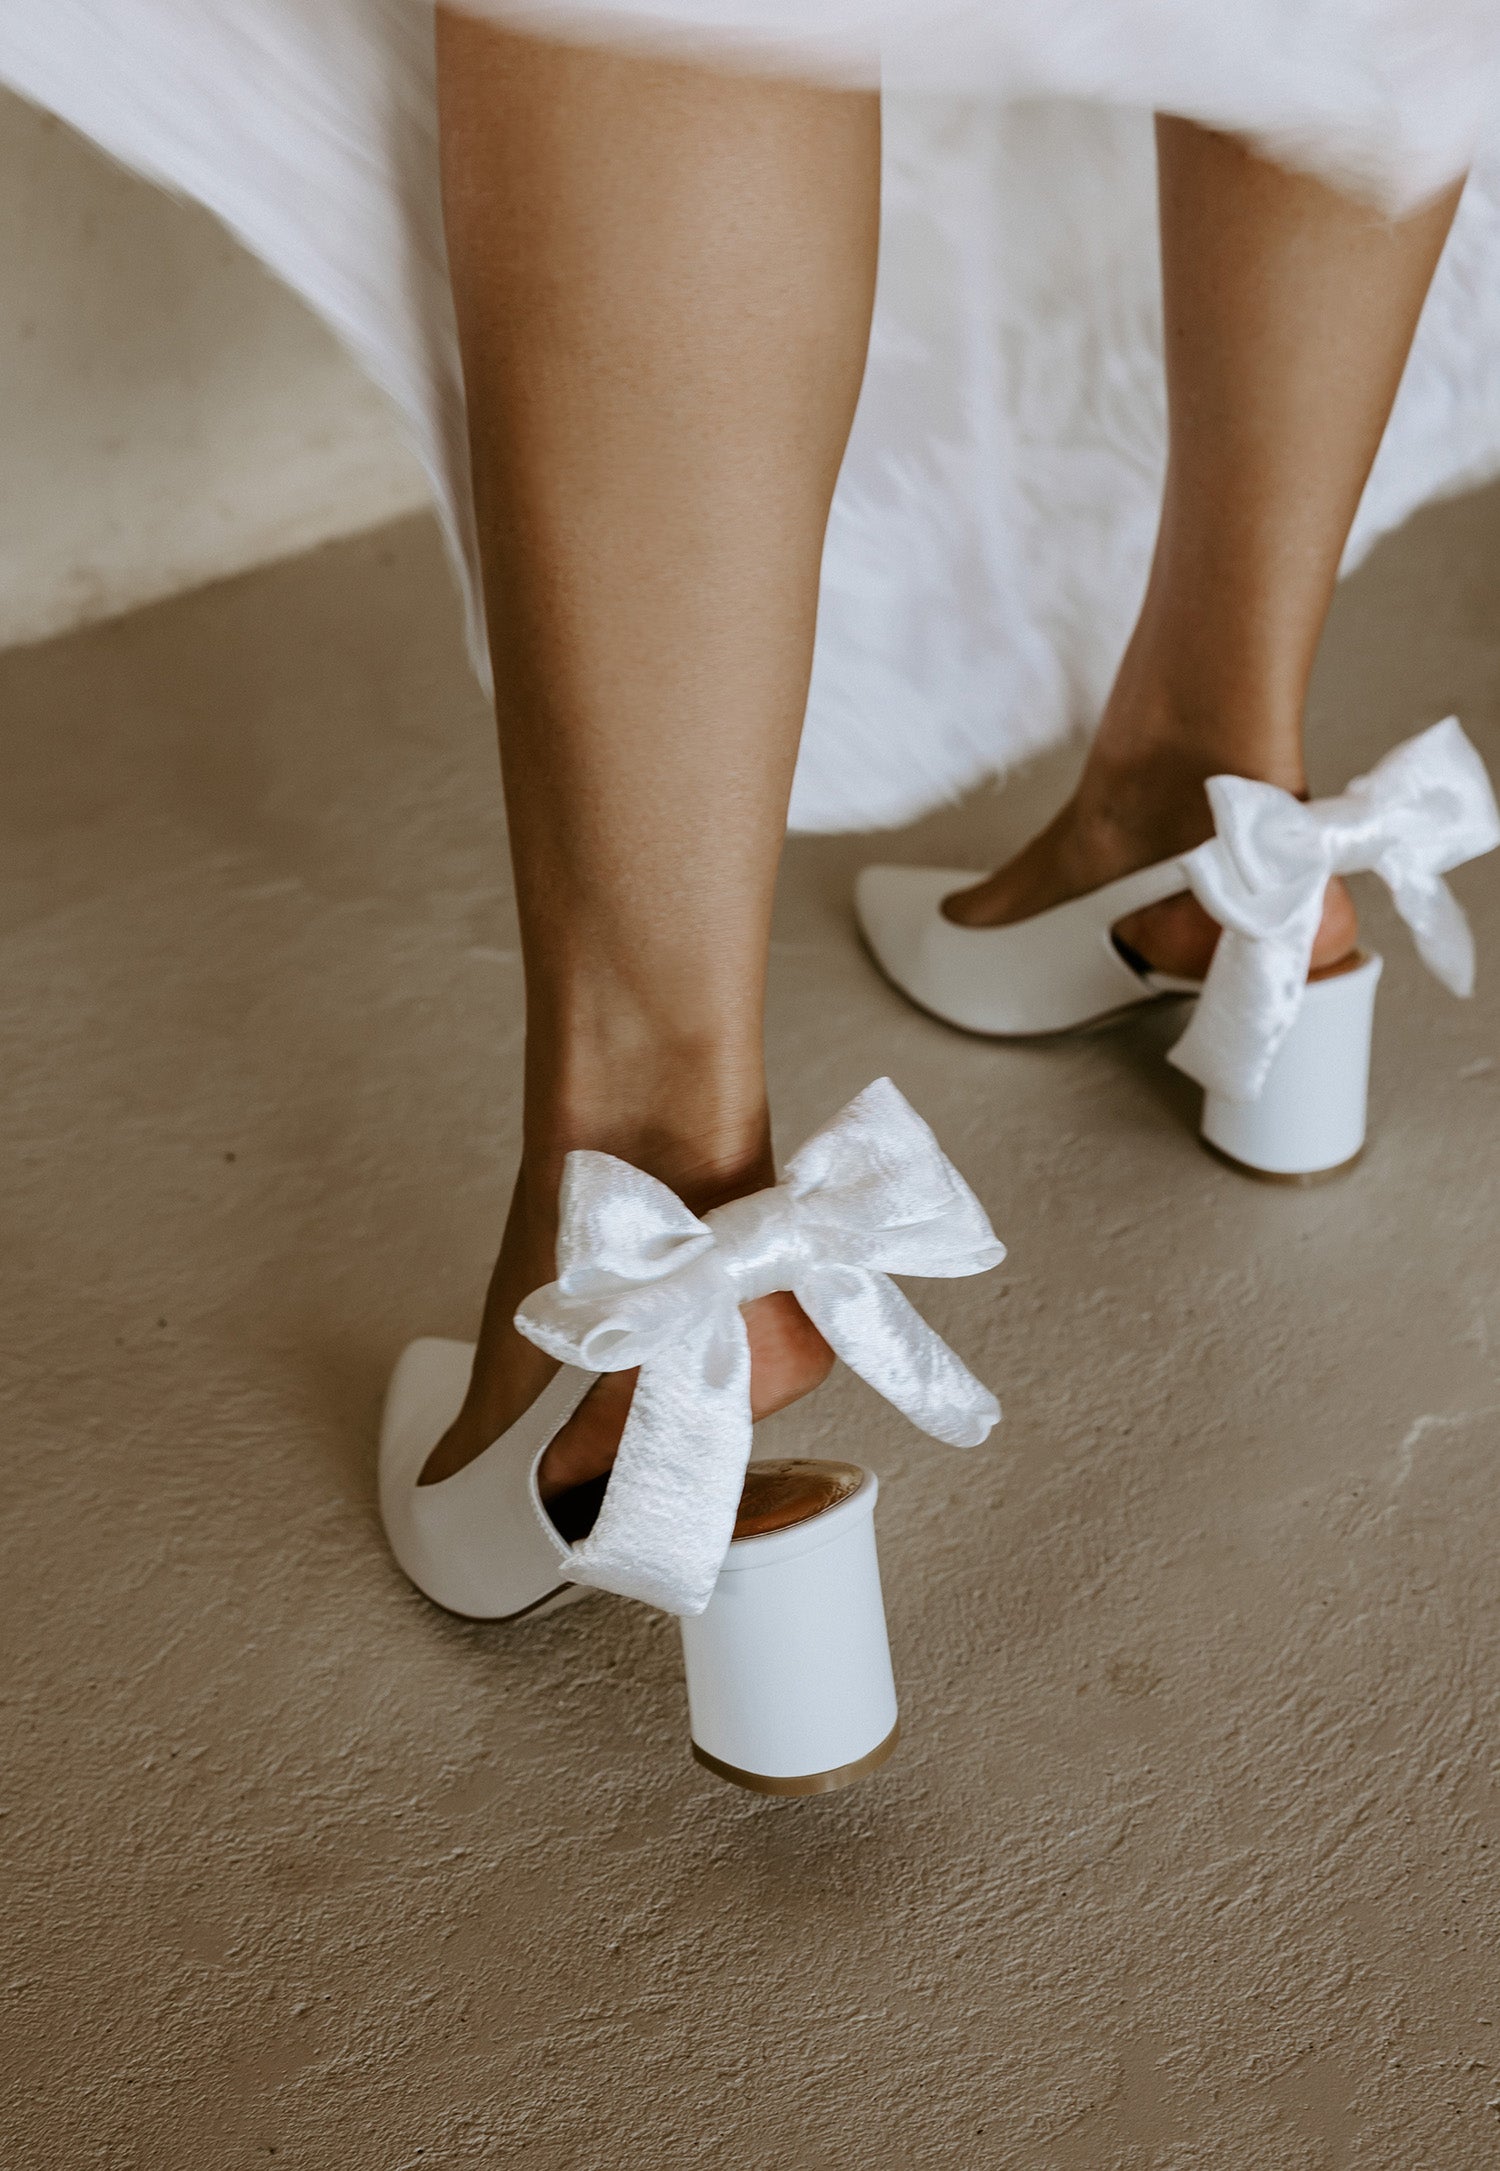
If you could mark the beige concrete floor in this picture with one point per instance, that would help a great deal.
(1188, 1859)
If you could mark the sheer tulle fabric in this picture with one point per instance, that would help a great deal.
(1388, 96)
(995, 513)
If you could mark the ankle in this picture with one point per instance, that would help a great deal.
(1142, 795)
(708, 1142)
(1163, 734)
(703, 1171)
(705, 1164)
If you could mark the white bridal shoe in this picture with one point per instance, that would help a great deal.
(773, 1573)
(1283, 1059)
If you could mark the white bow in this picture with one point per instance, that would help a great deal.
(1423, 810)
(644, 1282)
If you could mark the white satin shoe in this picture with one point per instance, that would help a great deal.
(1283, 1058)
(773, 1574)
(480, 1543)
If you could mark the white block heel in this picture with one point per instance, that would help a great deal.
(1309, 1121)
(788, 1667)
(1284, 1060)
(772, 1572)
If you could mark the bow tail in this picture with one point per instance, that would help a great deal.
(1439, 925)
(1248, 1006)
(864, 1317)
(673, 1494)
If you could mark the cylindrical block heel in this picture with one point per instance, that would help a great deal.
(789, 1668)
(1310, 1118)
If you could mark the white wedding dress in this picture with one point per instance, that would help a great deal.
(992, 526)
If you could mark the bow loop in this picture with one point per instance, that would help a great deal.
(645, 1284)
(631, 1259)
(882, 1193)
(616, 1225)
(1423, 810)
(1267, 852)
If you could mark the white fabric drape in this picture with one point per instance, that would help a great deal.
(992, 525)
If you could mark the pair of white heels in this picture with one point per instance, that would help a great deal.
(773, 1573)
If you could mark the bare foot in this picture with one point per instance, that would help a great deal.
(1111, 828)
(788, 1356)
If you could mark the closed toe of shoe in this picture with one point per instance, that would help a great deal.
(896, 908)
(478, 1543)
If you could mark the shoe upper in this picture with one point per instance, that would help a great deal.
(1057, 970)
(480, 1542)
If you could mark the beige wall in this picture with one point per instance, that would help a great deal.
(168, 414)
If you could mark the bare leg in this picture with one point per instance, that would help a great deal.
(664, 280)
(1289, 311)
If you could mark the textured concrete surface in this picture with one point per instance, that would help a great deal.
(1188, 1859)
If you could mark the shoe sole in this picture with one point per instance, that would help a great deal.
(813, 1782)
(566, 1594)
(1304, 1179)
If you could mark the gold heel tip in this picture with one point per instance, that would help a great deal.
(813, 1782)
